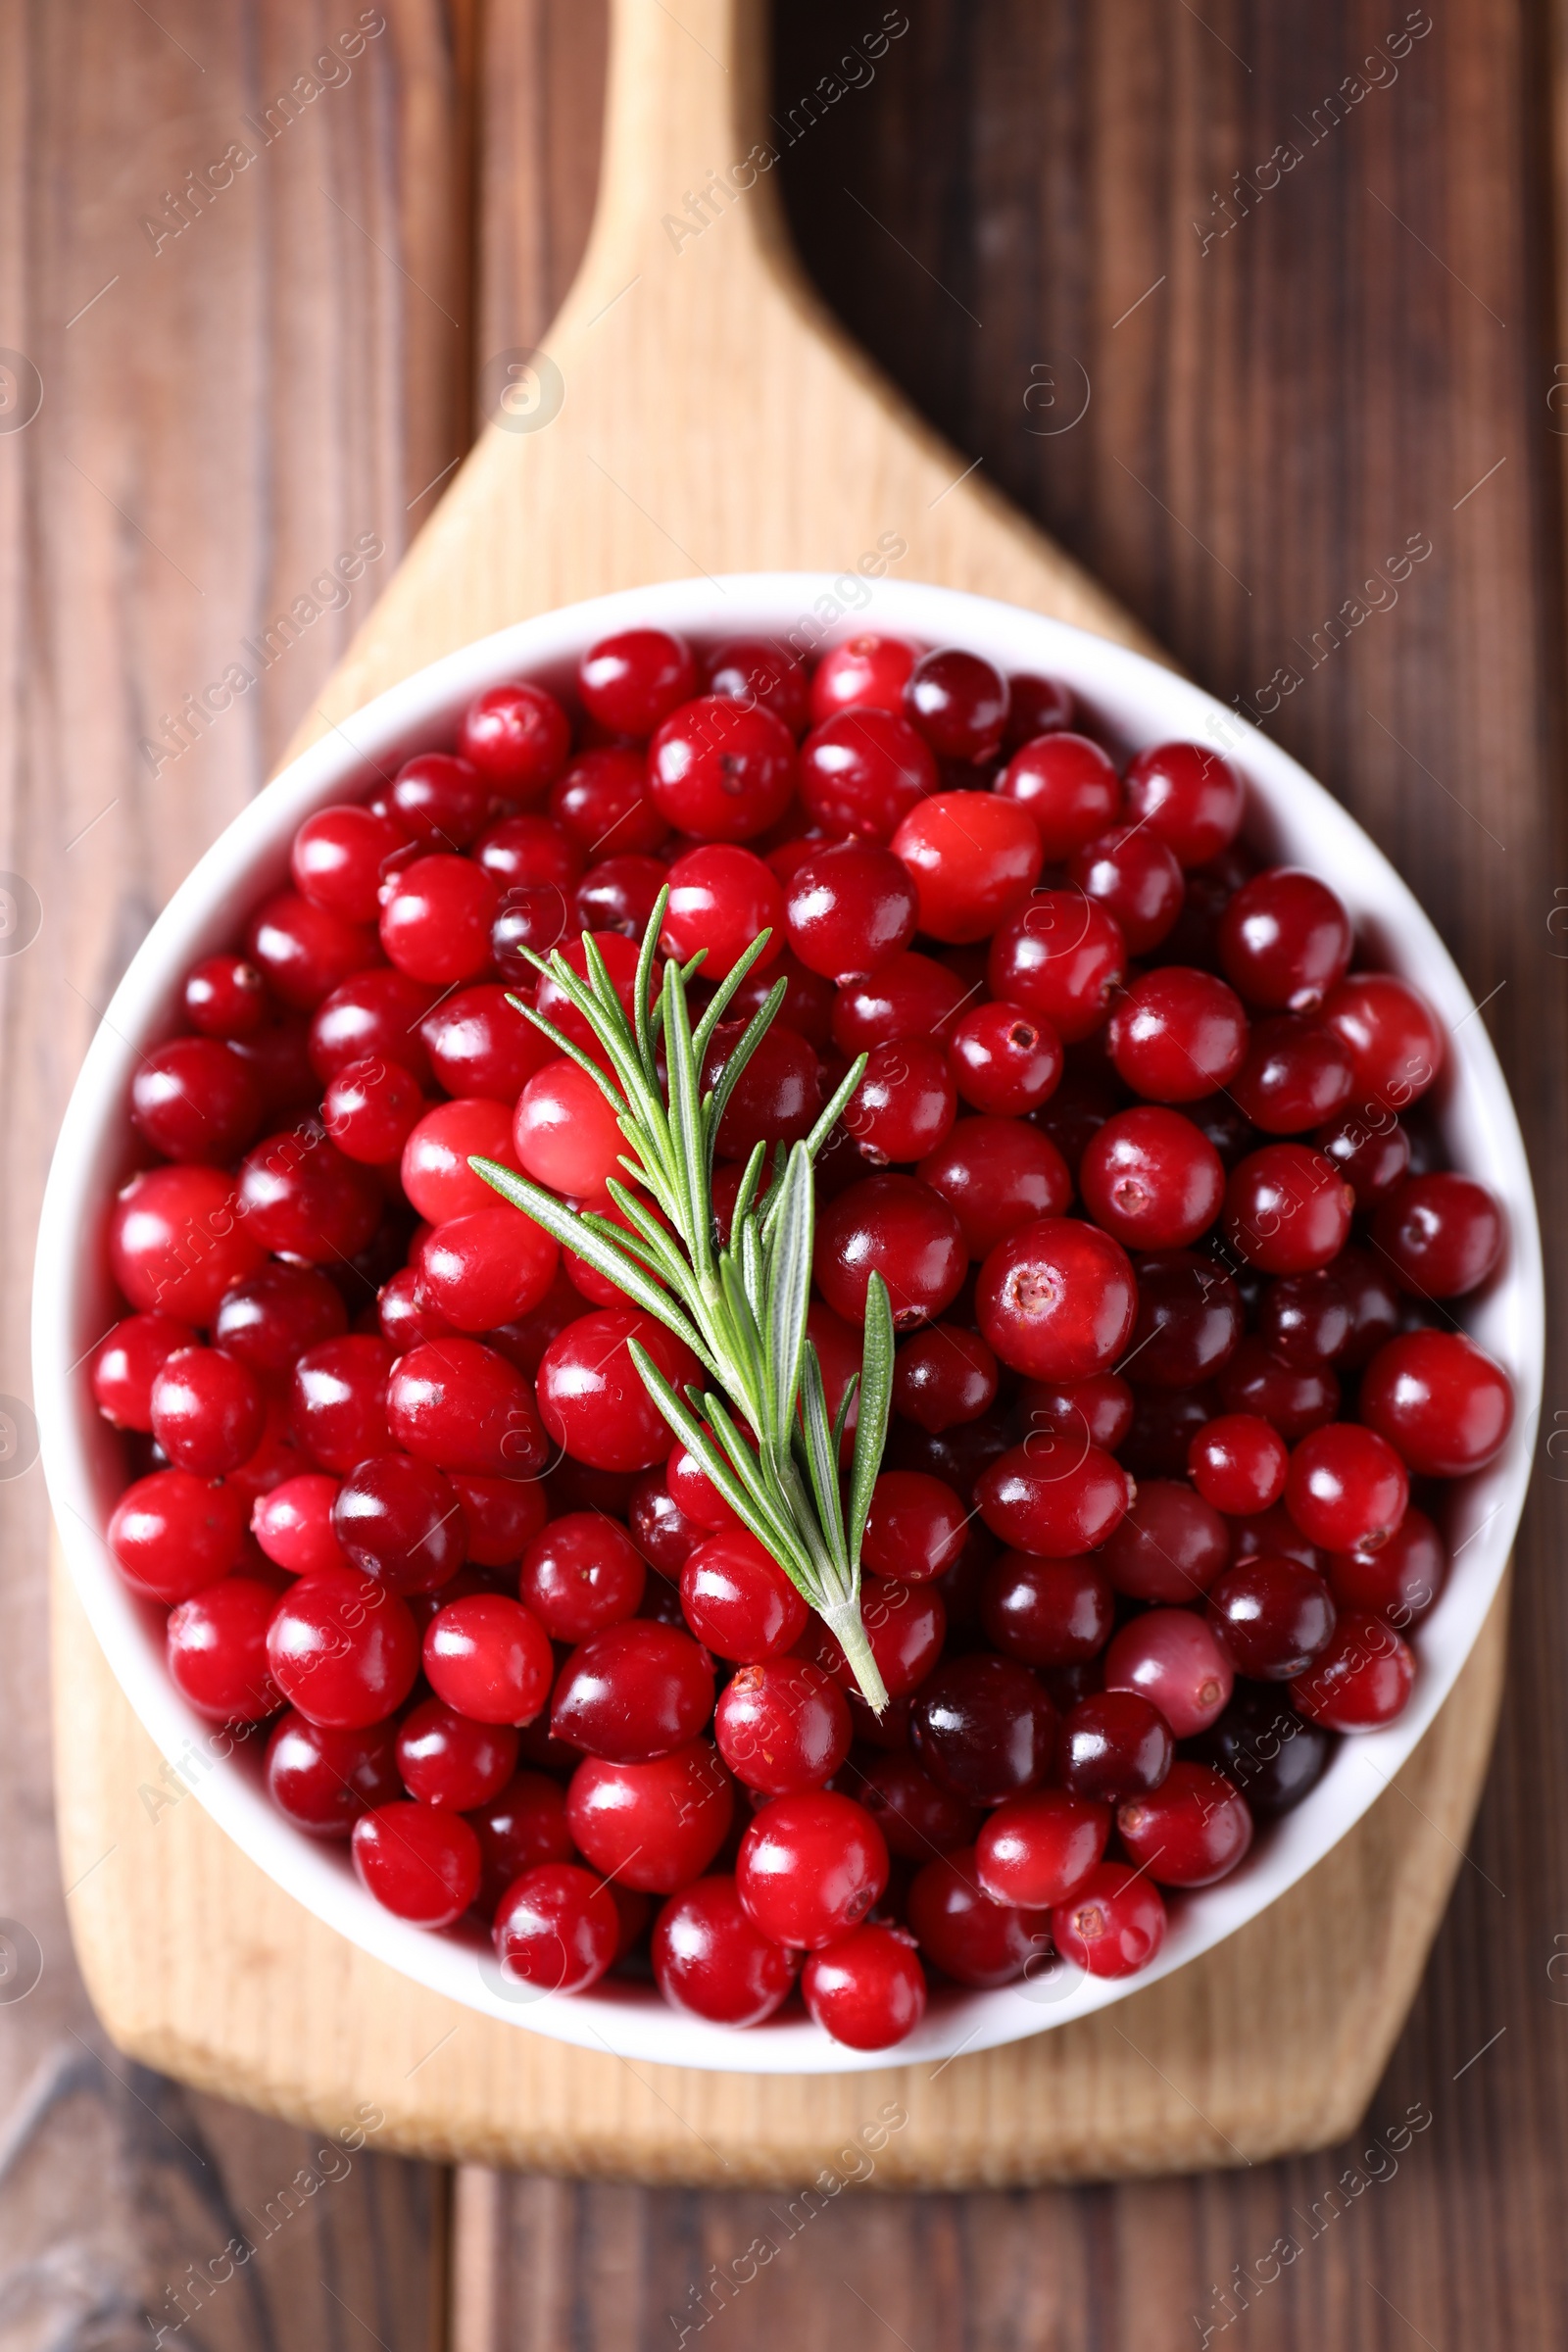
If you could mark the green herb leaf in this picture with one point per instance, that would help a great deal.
(877, 1403)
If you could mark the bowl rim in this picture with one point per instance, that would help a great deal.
(1288, 809)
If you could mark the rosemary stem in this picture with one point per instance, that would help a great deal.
(843, 1619)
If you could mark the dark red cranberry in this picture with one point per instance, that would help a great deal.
(591, 1395)
(944, 1377)
(633, 1691)
(1169, 1547)
(1294, 1400)
(1062, 958)
(1006, 1060)
(632, 680)
(1037, 706)
(1039, 1850)
(375, 1016)
(914, 1528)
(603, 803)
(916, 1817)
(556, 1928)
(1400, 1579)
(226, 996)
(1441, 1235)
(899, 1229)
(654, 1826)
(910, 995)
(959, 704)
(1396, 1039)
(1057, 1509)
(1191, 1832)
(342, 1648)
(778, 1097)
(1297, 1075)
(324, 1778)
(500, 1516)
(193, 1099)
(971, 1939)
(301, 1197)
(809, 998)
(905, 1625)
(904, 1104)
(852, 909)
(1272, 1616)
(532, 853)
(782, 1726)
(984, 1728)
(278, 1058)
(465, 1407)
(1113, 1746)
(752, 669)
(710, 1961)
(1287, 1208)
(974, 859)
(447, 1761)
(1190, 797)
(1268, 1751)
(619, 894)
(518, 1829)
(439, 800)
(338, 1399)
(1099, 1411)
(1047, 1612)
(1164, 1423)
(659, 1527)
(1151, 1178)
(862, 771)
(997, 1175)
(1444, 1406)
(810, 1868)
(1069, 787)
(1131, 873)
(1238, 1463)
(1189, 1321)
(1362, 1680)
(517, 737)
(1178, 1033)
(1285, 940)
(1370, 1150)
(580, 1574)
(398, 1519)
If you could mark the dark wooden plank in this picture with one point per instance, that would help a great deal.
(1281, 399)
(226, 405)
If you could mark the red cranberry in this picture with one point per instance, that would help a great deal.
(1347, 1487)
(439, 800)
(1069, 787)
(1190, 797)
(1152, 1179)
(944, 1377)
(1099, 1410)
(720, 897)
(1037, 707)
(777, 1097)
(852, 909)
(420, 1863)
(1285, 940)
(603, 805)
(1113, 1926)
(1294, 1400)
(1172, 1658)
(1400, 1579)
(984, 1728)
(632, 680)
(867, 672)
(655, 1825)
(565, 1134)
(971, 1939)
(1062, 958)
(193, 1099)
(959, 704)
(997, 1175)
(719, 771)
(974, 858)
(436, 919)
(1054, 1510)
(375, 1016)
(324, 1778)
(293, 1524)
(868, 1991)
(1362, 1680)
(488, 1658)
(1131, 873)
(619, 894)
(914, 1530)
(904, 1103)
(1039, 1850)
(1274, 1534)
(172, 1534)
(910, 995)
(916, 1817)
(205, 1411)
(1169, 1547)
(342, 1648)
(463, 1407)
(1178, 1033)
(177, 1242)
(1296, 1074)
(1265, 1749)
(519, 1827)
(1370, 1150)
(1057, 1299)
(1191, 1832)
(1113, 1745)
(898, 1228)
(807, 1005)
(339, 1400)
(370, 1109)
(556, 1928)
(500, 1516)
(782, 1726)
(1272, 1616)
(1238, 1463)
(217, 1650)
(1006, 1060)
(659, 1527)
(591, 1395)
(1441, 1234)
(750, 669)
(299, 1195)
(710, 1960)
(810, 1868)
(1189, 1320)
(517, 737)
(1164, 1423)
(581, 1573)
(864, 771)
(1444, 1406)
(304, 952)
(482, 1045)
(447, 1761)
(1286, 1209)
(398, 1519)
(225, 997)
(1047, 1612)
(125, 1364)
(633, 1691)
(484, 1270)
(738, 1600)
(1395, 1041)
(278, 1058)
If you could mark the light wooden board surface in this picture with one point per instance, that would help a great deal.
(711, 418)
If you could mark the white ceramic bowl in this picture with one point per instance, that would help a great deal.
(1136, 703)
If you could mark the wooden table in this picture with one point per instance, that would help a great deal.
(1290, 378)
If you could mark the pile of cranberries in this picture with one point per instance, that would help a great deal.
(1176, 1390)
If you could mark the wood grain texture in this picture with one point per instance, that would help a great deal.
(220, 417)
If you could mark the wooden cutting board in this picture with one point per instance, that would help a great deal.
(696, 411)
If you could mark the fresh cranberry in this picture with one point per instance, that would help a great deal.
(520, 1827)
(852, 909)
(1169, 1547)
(1131, 873)
(1395, 1041)
(738, 1600)
(1191, 1832)
(463, 1407)
(632, 680)
(278, 1058)
(984, 1728)
(750, 669)
(1362, 1680)
(125, 1364)
(899, 1229)
(866, 671)
(1265, 1749)
(603, 803)
(324, 1779)
(868, 1991)
(1151, 1178)
(581, 1573)
(1062, 958)
(1099, 1410)
(177, 1242)
(591, 1397)
(171, 1534)
(619, 894)
(959, 704)
(944, 1377)
(710, 1961)
(1177, 1035)
(974, 858)
(1347, 1487)
(486, 1268)
(864, 771)
(904, 1104)
(1308, 1319)
(1285, 940)
(370, 1109)
(782, 1726)
(305, 952)
(916, 1817)
(1172, 1657)
(375, 1016)
(633, 1691)
(342, 1648)
(695, 1492)
(1286, 1209)
(226, 996)
(302, 1198)
(1444, 1406)
(276, 1457)
(1190, 797)
(436, 919)
(419, 1862)
(556, 1928)
(810, 1868)
(500, 1516)
(1370, 1150)
(564, 1132)
(657, 1825)
(719, 771)
(1054, 1511)
(441, 801)
(1441, 1234)
(1274, 1534)
(914, 1528)
(720, 897)
(293, 1524)
(193, 1099)
(1057, 1299)
(217, 1650)
(1297, 1075)
(517, 737)
(1069, 787)
(1039, 1850)
(997, 1175)
(971, 1939)
(1189, 1320)
(1238, 1463)
(1293, 1400)
(1164, 1423)
(398, 1519)
(809, 1000)
(905, 1625)
(1037, 706)
(1272, 1616)
(1006, 1060)
(910, 995)
(533, 853)
(488, 1658)
(659, 1527)
(1400, 1579)
(339, 1400)
(205, 1411)
(1047, 1612)
(1113, 1745)
(480, 1044)
(446, 1759)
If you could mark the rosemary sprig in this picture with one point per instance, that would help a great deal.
(740, 1309)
